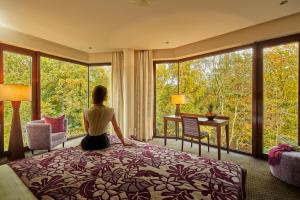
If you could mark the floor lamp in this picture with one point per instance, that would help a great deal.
(15, 93)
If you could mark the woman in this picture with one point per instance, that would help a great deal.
(96, 120)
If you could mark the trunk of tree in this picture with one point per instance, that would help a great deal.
(276, 119)
(233, 123)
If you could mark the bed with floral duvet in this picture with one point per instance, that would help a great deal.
(142, 171)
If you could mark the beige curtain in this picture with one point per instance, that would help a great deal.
(143, 95)
(117, 87)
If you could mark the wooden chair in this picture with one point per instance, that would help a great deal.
(190, 128)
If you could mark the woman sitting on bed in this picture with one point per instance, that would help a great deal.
(96, 120)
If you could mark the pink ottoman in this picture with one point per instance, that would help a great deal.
(289, 168)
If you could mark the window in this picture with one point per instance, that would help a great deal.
(100, 75)
(166, 86)
(280, 69)
(224, 80)
(17, 70)
(64, 90)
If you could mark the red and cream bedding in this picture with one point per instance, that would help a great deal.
(142, 171)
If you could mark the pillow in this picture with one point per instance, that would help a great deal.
(57, 123)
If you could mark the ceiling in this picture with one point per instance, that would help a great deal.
(107, 25)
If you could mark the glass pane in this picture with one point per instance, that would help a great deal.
(100, 75)
(280, 95)
(225, 81)
(166, 85)
(64, 90)
(17, 70)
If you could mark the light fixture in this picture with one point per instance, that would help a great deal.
(15, 93)
(178, 100)
(284, 2)
(141, 2)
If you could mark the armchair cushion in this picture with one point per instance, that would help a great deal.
(57, 123)
(58, 138)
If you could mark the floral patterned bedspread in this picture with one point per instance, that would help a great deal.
(143, 171)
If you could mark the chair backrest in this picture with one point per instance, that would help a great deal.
(190, 126)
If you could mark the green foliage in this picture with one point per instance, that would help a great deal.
(224, 81)
(280, 95)
(166, 85)
(64, 90)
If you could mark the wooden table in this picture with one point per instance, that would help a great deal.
(218, 123)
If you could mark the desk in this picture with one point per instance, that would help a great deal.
(218, 123)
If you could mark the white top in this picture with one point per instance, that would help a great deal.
(98, 118)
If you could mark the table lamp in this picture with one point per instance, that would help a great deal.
(15, 93)
(178, 100)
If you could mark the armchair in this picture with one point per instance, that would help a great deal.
(40, 136)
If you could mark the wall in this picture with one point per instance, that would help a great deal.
(18, 39)
(105, 57)
(273, 29)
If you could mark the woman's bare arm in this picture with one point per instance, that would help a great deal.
(117, 129)
(86, 124)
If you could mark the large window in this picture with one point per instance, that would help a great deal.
(280, 65)
(17, 70)
(260, 94)
(100, 75)
(166, 85)
(64, 90)
(224, 80)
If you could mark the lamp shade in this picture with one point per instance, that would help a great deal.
(15, 92)
(178, 99)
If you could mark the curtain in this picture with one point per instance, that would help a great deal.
(143, 95)
(117, 87)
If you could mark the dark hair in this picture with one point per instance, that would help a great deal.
(99, 94)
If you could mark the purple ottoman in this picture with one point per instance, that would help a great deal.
(289, 168)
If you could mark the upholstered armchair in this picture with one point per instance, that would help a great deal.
(40, 136)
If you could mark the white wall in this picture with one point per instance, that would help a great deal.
(273, 29)
(18, 39)
(105, 57)
(22, 40)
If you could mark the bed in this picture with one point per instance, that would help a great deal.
(143, 171)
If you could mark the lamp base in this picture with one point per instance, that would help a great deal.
(177, 112)
(15, 148)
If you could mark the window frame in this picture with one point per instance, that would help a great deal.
(259, 72)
